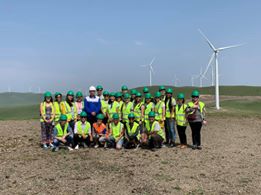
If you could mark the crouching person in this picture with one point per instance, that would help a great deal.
(62, 134)
(99, 131)
(116, 133)
(132, 133)
(82, 132)
(153, 135)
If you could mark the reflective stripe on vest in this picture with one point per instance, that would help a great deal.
(132, 130)
(116, 129)
(43, 110)
(201, 106)
(57, 111)
(126, 110)
(70, 113)
(112, 108)
(181, 115)
(86, 128)
(150, 127)
(159, 110)
(61, 132)
(104, 106)
(148, 108)
(137, 110)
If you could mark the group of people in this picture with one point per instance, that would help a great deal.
(126, 119)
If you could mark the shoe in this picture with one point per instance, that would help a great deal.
(69, 148)
(51, 145)
(172, 144)
(105, 145)
(194, 147)
(55, 149)
(96, 146)
(183, 146)
(199, 147)
(76, 147)
(85, 145)
(45, 146)
(163, 146)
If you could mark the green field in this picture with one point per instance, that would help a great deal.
(21, 106)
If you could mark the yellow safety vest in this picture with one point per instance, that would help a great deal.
(57, 111)
(181, 115)
(61, 132)
(132, 131)
(104, 106)
(201, 106)
(112, 109)
(120, 103)
(71, 114)
(168, 111)
(126, 110)
(116, 129)
(148, 108)
(43, 110)
(150, 127)
(137, 111)
(159, 110)
(80, 130)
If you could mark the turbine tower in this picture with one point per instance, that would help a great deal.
(215, 55)
(151, 70)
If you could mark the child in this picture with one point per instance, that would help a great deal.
(99, 131)
(47, 118)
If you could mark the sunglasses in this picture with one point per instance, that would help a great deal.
(194, 96)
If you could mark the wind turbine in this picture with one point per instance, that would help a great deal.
(193, 77)
(215, 55)
(151, 70)
(176, 80)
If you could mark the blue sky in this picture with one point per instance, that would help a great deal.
(61, 45)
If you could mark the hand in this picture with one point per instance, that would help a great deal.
(93, 113)
(205, 122)
(63, 140)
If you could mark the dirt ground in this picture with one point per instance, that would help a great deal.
(230, 163)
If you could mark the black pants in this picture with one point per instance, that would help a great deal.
(92, 119)
(155, 141)
(182, 134)
(71, 124)
(131, 143)
(79, 140)
(196, 128)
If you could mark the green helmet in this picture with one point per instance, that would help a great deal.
(106, 93)
(63, 117)
(133, 92)
(162, 88)
(138, 94)
(100, 117)
(151, 114)
(169, 90)
(99, 87)
(126, 96)
(157, 94)
(131, 115)
(112, 94)
(47, 94)
(181, 96)
(148, 96)
(195, 93)
(118, 94)
(79, 94)
(124, 87)
(83, 114)
(145, 90)
(115, 116)
(57, 94)
(71, 93)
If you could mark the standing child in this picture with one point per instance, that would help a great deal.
(181, 120)
(196, 117)
(47, 118)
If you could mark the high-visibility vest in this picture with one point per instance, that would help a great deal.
(116, 129)
(159, 110)
(133, 130)
(43, 110)
(137, 110)
(57, 111)
(112, 108)
(148, 108)
(201, 107)
(80, 130)
(151, 126)
(71, 113)
(168, 111)
(120, 103)
(79, 109)
(181, 115)
(126, 110)
(61, 132)
(104, 106)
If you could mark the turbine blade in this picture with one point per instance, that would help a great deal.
(209, 63)
(152, 61)
(208, 41)
(228, 47)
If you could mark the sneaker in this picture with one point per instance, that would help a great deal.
(51, 145)
(96, 146)
(194, 147)
(76, 147)
(199, 147)
(45, 146)
(69, 148)
(106, 145)
(137, 147)
(55, 149)
(163, 146)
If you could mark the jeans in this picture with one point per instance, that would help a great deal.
(111, 141)
(69, 141)
(170, 130)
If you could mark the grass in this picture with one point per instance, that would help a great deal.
(19, 112)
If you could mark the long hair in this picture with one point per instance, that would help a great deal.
(50, 100)
(68, 101)
(169, 103)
